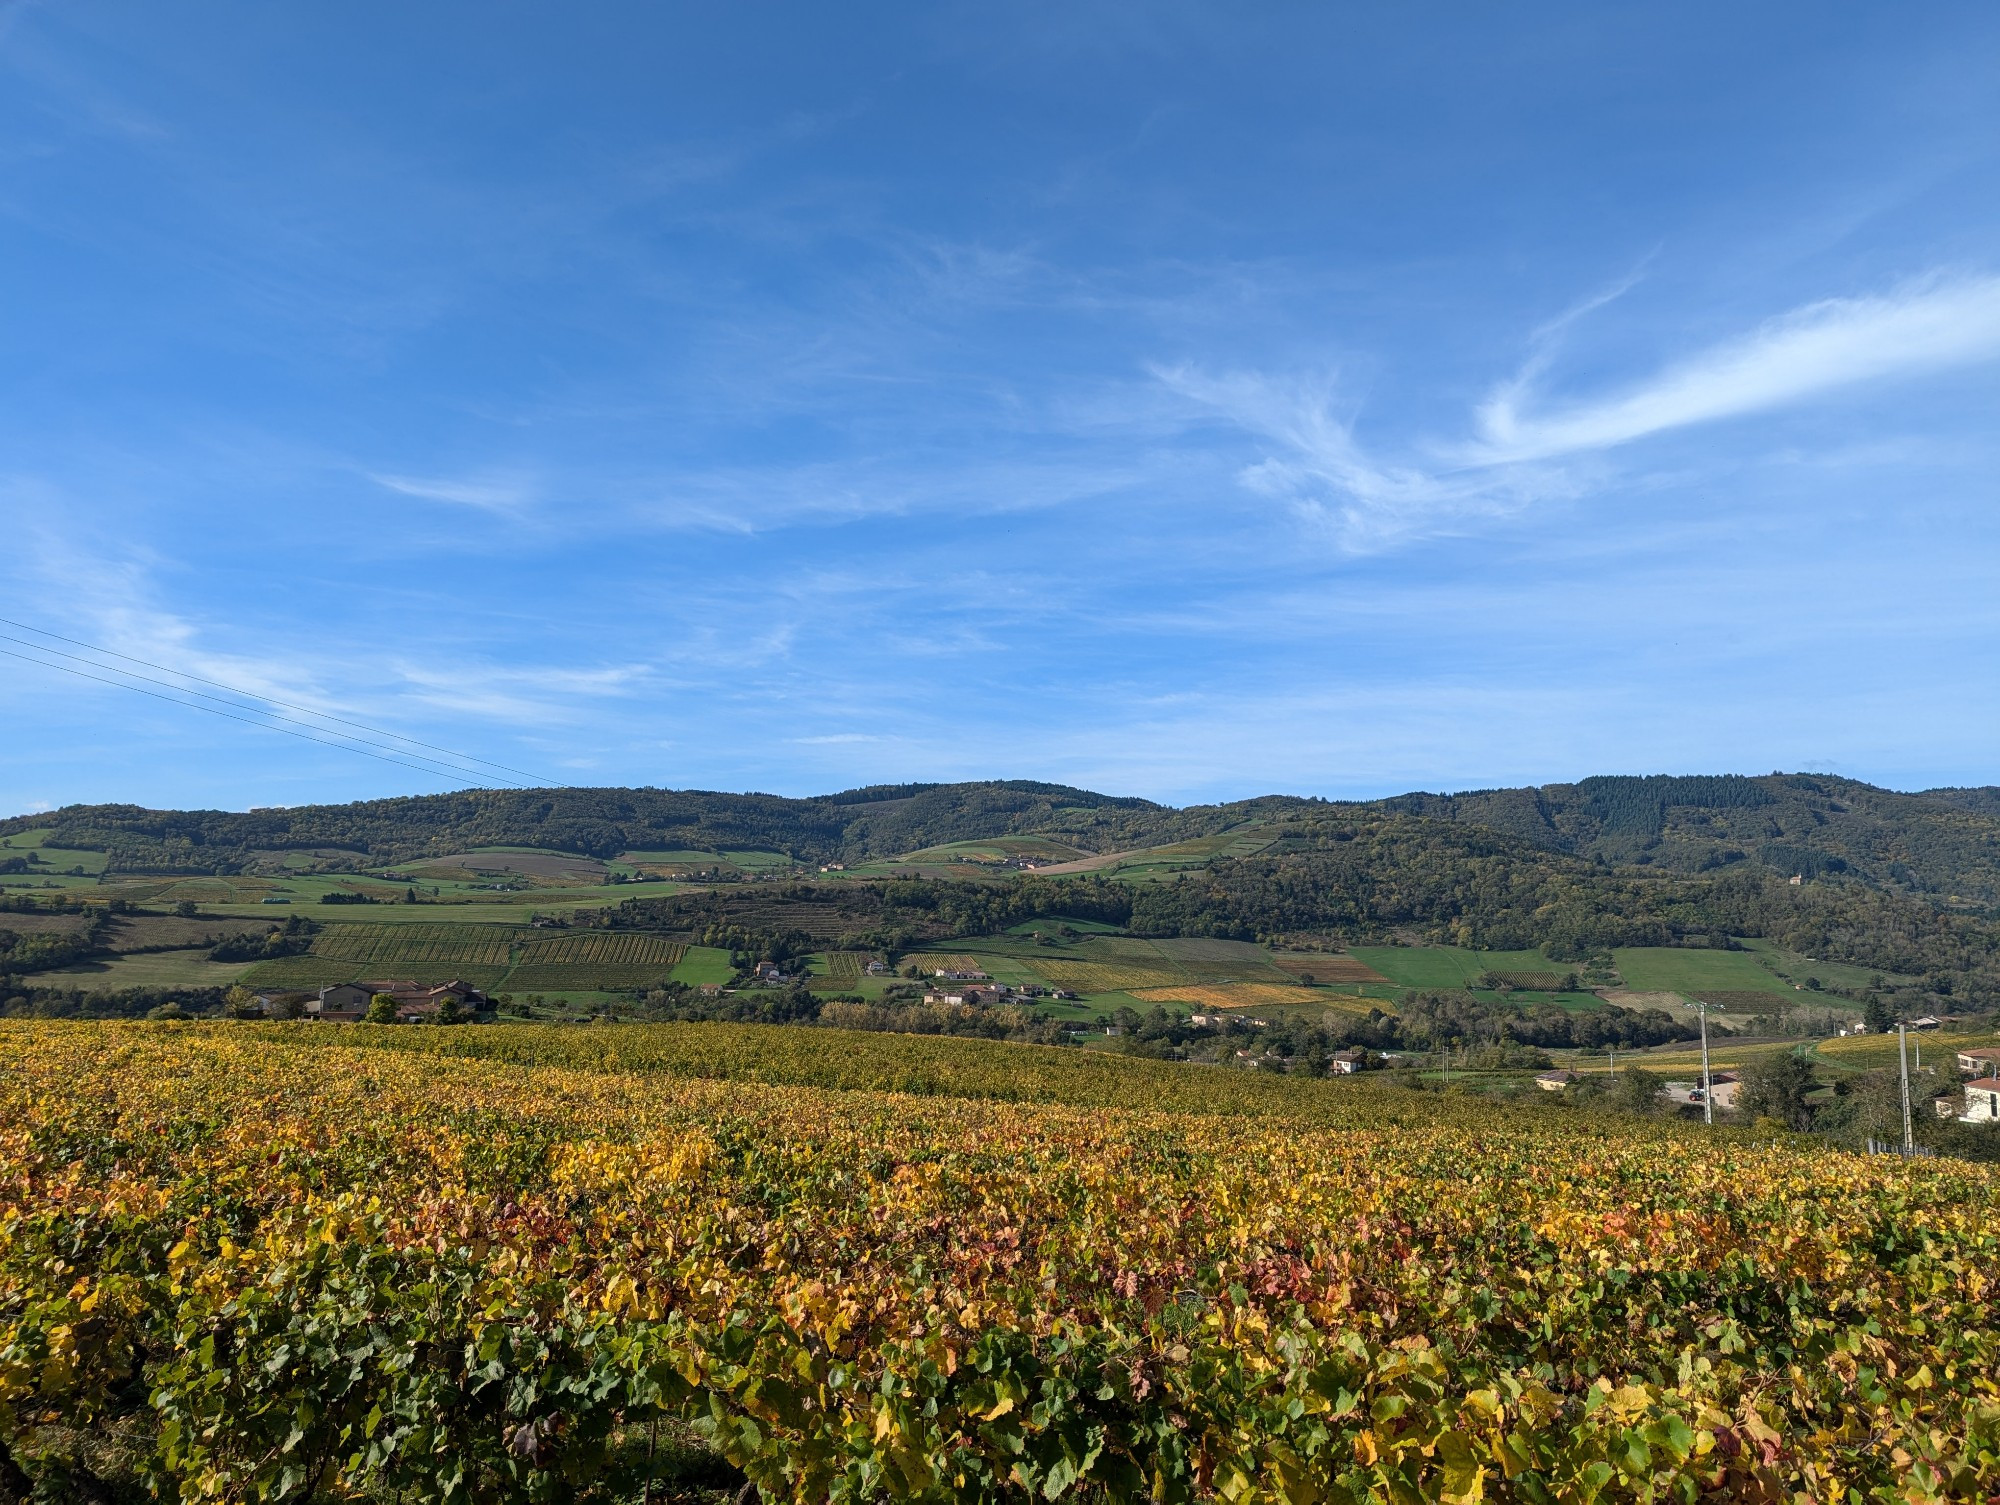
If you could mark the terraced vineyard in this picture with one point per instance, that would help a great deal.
(530, 1252)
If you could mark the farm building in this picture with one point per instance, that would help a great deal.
(973, 996)
(1554, 1081)
(1981, 1060)
(346, 1002)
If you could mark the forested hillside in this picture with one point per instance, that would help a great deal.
(1370, 878)
(882, 821)
(1944, 844)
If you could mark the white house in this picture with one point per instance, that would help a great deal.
(1982, 1102)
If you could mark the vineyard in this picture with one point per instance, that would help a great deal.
(930, 962)
(847, 966)
(505, 1273)
(307, 973)
(1103, 977)
(1327, 967)
(397, 945)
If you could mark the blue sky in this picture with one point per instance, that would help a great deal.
(1187, 400)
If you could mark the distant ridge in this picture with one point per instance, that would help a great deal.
(1942, 842)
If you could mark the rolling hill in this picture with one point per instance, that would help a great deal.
(1942, 843)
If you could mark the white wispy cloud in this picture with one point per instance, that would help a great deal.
(1524, 450)
(1329, 479)
(502, 493)
(1838, 342)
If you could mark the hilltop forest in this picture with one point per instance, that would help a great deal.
(1943, 843)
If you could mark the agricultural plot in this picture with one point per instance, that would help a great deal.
(998, 849)
(1102, 977)
(595, 959)
(929, 962)
(1789, 968)
(704, 967)
(601, 948)
(1299, 1264)
(1244, 995)
(1326, 966)
(45, 861)
(1692, 971)
(1219, 961)
(401, 945)
(1443, 966)
(1052, 923)
(486, 864)
(848, 966)
(147, 969)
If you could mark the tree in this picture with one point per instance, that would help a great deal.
(448, 1011)
(1877, 1015)
(381, 1010)
(242, 1003)
(187, 909)
(1639, 1090)
(1776, 1088)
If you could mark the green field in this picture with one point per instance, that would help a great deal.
(1675, 969)
(704, 966)
(1446, 966)
(1792, 968)
(56, 862)
(1049, 925)
(147, 969)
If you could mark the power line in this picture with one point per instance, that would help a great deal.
(267, 726)
(535, 778)
(259, 710)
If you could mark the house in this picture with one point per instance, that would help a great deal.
(877, 968)
(1554, 1081)
(959, 974)
(341, 1003)
(1347, 1062)
(975, 997)
(1982, 1101)
(768, 972)
(347, 1002)
(1980, 1060)
(1929, 1021)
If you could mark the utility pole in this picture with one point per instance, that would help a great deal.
(1707, 1088)
(1903, 1052)
(1611, 1052)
